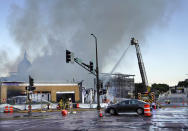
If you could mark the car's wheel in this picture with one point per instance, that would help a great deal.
(140, 111)
(112, 111)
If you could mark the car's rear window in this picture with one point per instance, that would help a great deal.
(133, 102)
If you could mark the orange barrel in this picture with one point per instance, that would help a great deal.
(64, 112)
(11, 109)
(77, 105)
(6, 109)
(147, 111)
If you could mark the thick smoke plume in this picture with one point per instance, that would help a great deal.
(46, 28)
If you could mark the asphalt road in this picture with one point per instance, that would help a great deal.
(164, 119)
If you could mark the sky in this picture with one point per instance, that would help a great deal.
(164, 43)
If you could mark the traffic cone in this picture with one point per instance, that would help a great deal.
(64, 112)
(100, 114)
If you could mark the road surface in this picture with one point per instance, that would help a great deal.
(168, 119)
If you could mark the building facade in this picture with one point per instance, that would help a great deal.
(53, 91)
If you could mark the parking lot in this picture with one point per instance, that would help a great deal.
(162, 119)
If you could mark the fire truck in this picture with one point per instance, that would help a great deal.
(147, 96)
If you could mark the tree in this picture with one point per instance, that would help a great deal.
(160, 88)
(183, 83)
(140, 88)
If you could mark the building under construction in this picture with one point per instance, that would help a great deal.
(118, 85)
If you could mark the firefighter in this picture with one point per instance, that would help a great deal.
(70, 104)
(61, 104)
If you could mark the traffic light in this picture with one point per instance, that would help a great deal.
(101, 84)
(102, 92)
(91, 66)
(68, 56)
(31, 88)
(31, 81)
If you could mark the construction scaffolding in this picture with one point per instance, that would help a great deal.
(117, 85)
(122, 84)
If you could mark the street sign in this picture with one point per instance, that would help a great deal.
(30, 88)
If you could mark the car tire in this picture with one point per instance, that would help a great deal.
(140, 111)
(112, 111)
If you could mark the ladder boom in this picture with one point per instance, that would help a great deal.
(140, 62)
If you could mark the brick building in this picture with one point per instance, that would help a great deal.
(53, 91)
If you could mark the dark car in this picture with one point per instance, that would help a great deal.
(130, 105)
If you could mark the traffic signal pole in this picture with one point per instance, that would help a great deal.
(97, 75)
(28, 89)
(70, 58)
(85, 66)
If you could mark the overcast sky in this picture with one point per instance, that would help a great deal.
(159, 25)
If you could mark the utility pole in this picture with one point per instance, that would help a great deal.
(70, 58)
(97, 75)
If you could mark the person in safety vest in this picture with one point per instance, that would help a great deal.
(61, 104)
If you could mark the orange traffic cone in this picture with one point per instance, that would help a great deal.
(100, 114)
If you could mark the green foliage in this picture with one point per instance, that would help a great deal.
(140, 88)
(183, 83)
(159, 88)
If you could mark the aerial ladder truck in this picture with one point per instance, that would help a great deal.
(145, 96)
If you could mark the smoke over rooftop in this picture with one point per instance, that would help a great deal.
(47, 28)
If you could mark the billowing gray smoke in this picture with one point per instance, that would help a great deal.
(3, 58)
(46, 28)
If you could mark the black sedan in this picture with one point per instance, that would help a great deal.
(130, 105)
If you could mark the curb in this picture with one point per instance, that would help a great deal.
(79, 109)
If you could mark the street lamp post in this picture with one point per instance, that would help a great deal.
(97, 74)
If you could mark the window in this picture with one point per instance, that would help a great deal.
(133, 102)
(124, 102)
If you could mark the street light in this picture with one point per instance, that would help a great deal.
(97, 74)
